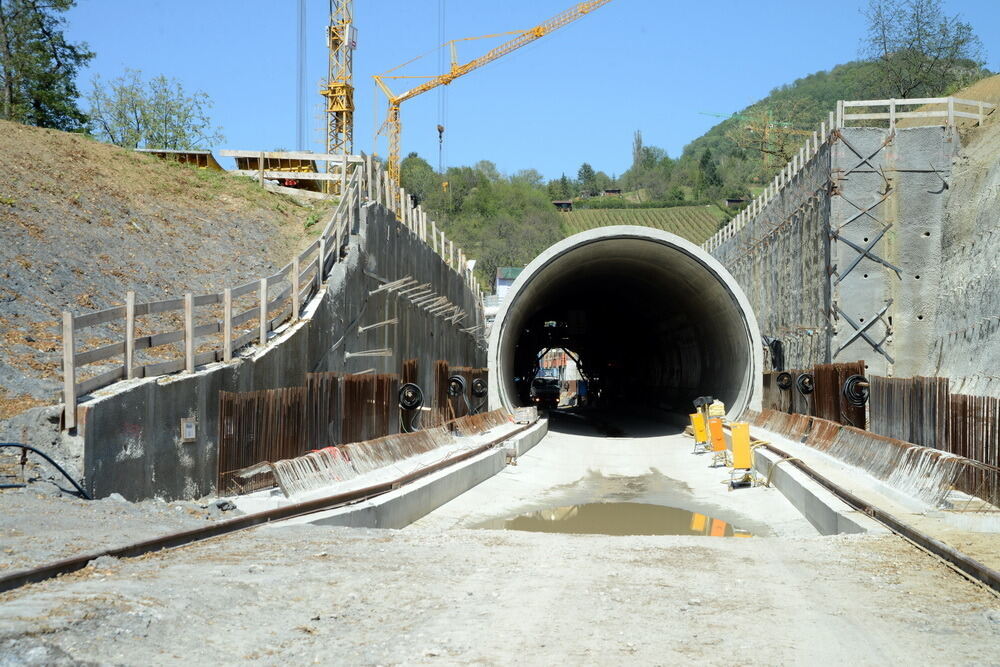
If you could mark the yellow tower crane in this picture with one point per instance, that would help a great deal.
(392, 125)
(341, 38)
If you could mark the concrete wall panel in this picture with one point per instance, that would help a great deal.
(131, 431)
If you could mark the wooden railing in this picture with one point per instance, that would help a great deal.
(834, 123)
(262, 305)
(804, 156)
(893, 113)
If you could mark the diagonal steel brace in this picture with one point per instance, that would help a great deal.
(864, 160)
(862, 331)
(865, 252)
(863, 211)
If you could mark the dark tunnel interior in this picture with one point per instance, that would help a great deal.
(654, 327)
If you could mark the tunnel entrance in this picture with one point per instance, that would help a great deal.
(655, 322)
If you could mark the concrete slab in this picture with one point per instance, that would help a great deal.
(575, 464)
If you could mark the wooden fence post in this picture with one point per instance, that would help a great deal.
(69, 371)
(189, 332)
(982, 116)
(368, 177)
(295, 290)
(338, 239)
(320, 261)
(260, 173)
(892, 114)
(352, 212)
(434, 236)
(951, 111)
(840, 114)
(262, 292)
(129, 335)
(343, 174)
(227, 324)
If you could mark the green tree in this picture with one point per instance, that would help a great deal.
(918, 50)
(38, 66)
(131, 113)
(419, 177)
(531, 177)
(587, 179)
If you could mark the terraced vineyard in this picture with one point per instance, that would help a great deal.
(694, 223)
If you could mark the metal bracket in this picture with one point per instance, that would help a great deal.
(862, 331)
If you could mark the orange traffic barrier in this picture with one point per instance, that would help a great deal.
(718, 439)
(741, 445)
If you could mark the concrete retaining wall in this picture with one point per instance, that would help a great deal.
(890, 187)
(852, 241)
(779, 258)
(131, 432)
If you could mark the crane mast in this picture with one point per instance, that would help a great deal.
(339, 88)
(393, 124)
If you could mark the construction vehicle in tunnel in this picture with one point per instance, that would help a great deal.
(546, 389)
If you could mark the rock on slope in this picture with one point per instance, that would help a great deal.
(968, 330)
(83, 222)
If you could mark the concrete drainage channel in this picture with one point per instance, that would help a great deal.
(405, 504)
(828, 514)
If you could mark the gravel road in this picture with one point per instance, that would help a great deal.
(437, 592)
(304, 594)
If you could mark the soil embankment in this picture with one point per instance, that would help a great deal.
(82, 222)
(967, 346)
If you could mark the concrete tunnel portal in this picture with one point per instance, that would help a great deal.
(654, 320)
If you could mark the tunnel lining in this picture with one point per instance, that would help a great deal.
(668, 268)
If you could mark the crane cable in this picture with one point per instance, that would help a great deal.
(442, 90)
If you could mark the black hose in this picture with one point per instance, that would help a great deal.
(79, 489)
(855, 390)
(783, 380)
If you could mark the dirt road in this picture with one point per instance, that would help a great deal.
(437, 593)
(306, 594)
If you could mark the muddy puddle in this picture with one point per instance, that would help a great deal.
(617, 518)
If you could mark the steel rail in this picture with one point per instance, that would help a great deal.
(965, 565)
(182, 538)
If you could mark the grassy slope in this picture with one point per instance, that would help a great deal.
(694, 223)
(984, 90)
(83, 222)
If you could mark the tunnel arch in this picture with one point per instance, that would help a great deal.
(657, 322)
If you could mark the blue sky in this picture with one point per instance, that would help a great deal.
(575, 95)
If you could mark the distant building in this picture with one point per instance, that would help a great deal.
(613, 192)
(506, 275)
(564, 206)
(735, 202)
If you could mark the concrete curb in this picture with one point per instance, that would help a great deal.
(400, 508)
(828, 514)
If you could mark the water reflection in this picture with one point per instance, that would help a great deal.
(617, 519)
